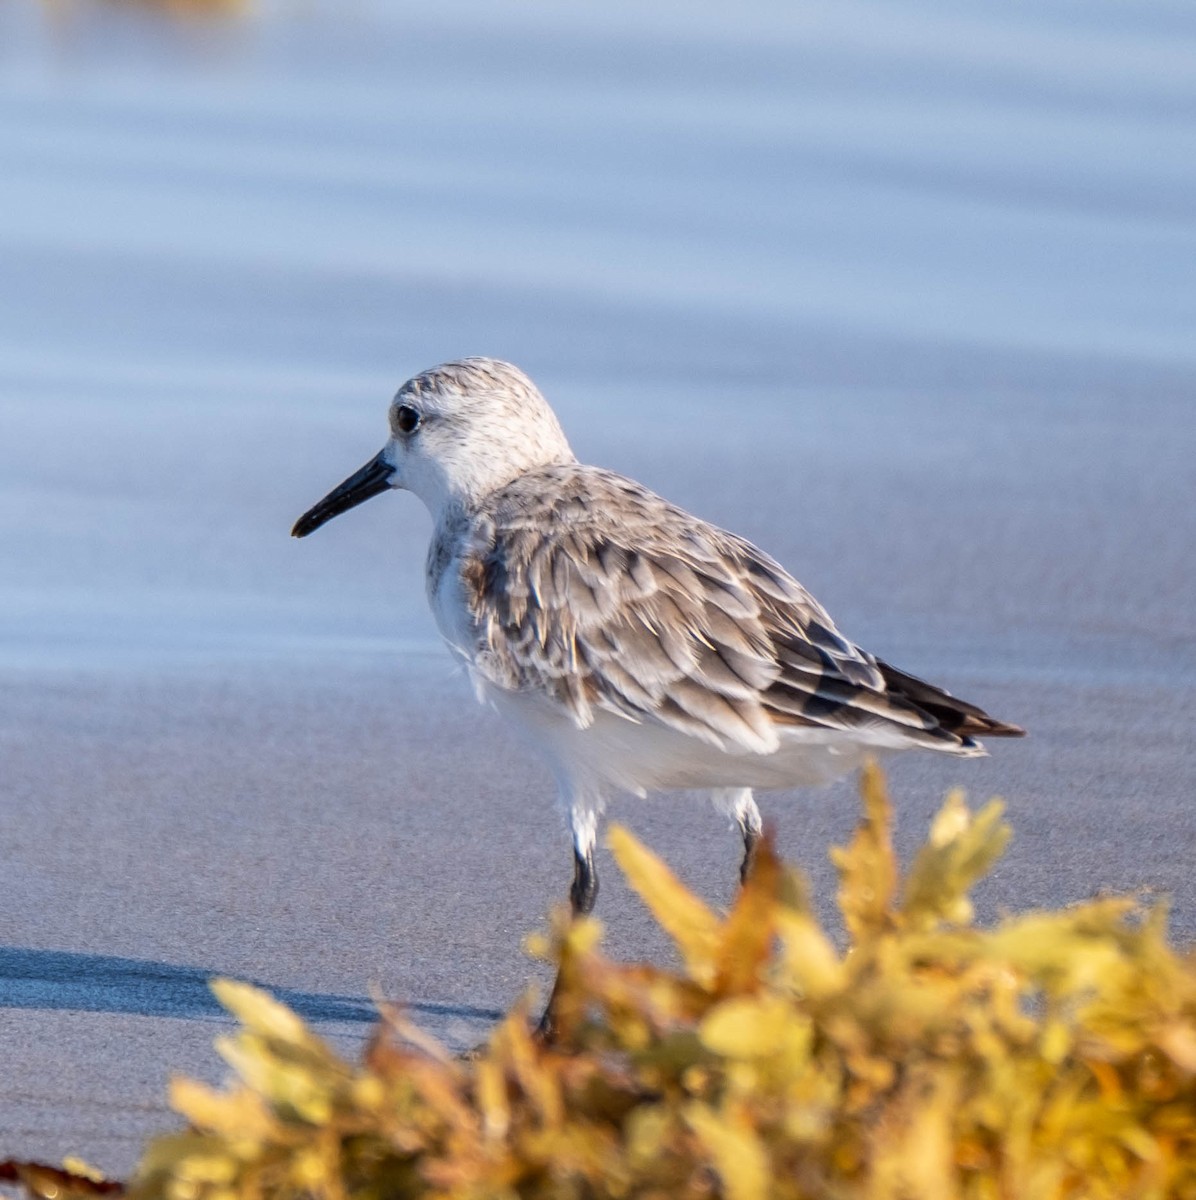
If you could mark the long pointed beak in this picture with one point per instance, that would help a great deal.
(373, 478)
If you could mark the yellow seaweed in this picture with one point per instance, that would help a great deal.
(1052, 1057)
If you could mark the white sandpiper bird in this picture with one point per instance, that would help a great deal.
(639, 646)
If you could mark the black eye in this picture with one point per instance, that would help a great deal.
(407, 418)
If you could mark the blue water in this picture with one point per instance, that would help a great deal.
(872, 253)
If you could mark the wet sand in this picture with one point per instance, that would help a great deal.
(763, 268)
(352, 831)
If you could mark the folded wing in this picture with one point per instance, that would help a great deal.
(598, 593)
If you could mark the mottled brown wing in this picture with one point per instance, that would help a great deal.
(591, 589)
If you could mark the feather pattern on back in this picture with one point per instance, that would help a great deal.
(587, 587)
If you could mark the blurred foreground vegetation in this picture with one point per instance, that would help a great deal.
(1051, 1056)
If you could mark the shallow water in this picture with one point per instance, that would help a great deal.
(902, 291)
(968, 236)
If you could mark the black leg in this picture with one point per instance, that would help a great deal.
(751, 838)
(582, 896)
(739, 804)
(584, 891)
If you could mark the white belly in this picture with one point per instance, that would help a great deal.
(614, 753)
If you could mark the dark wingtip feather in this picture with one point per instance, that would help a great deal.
(954, 715)
(994, 728)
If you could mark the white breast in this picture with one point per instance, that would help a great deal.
(446, 594)
(449, 607)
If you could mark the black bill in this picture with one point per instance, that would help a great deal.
(373, 478)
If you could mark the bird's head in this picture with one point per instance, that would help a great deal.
(457, 432)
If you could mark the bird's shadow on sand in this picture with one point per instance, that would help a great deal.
(64, 980)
